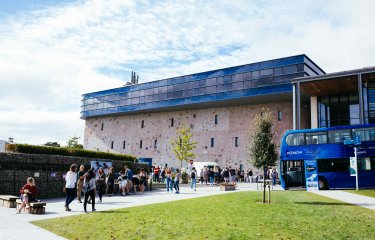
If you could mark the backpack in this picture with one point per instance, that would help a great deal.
(86, 187)
(192, 174)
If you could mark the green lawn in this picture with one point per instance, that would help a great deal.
(367, 192)
(292, 215)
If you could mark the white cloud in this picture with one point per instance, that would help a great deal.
(50, 57)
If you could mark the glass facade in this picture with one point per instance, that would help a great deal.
(268, 77)
(338, 110)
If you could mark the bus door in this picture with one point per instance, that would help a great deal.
(294, 173)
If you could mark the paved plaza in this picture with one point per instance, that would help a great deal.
(17, 226)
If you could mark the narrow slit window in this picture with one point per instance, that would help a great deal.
(212, 142)
(172, 122)
(155, 143)
(143, 124)
(123, 145)
(112, 145)
(102, 128)
(216, 119)
(236, 141)
(140, 143)
(279, 115)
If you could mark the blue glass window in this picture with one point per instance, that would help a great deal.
(211, 81)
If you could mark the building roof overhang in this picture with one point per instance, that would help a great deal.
(337, 83)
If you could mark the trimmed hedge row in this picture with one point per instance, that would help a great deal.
(64, 151)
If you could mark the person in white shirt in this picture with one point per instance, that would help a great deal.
(70, 186)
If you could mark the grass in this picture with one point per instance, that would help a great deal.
(292, 215)
(365, 192)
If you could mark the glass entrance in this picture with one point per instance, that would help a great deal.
(294, 173)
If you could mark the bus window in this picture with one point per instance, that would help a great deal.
(366, 134)
(296, 139)
(333, 165)
(365, 163)
(338, 136)
(316, 138)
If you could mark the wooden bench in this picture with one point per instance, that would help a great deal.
(8, 201)
(35, 207)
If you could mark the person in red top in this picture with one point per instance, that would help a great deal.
(28, 193)
(156, 174)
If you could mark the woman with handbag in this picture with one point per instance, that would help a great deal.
(28, 194)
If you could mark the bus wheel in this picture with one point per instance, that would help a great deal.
(323, 185)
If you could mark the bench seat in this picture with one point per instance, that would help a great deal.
(35, 207)
(8, 201)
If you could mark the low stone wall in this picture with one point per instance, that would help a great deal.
(47, 170)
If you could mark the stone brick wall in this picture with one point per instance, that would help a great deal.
(47, 170)
(233, 121)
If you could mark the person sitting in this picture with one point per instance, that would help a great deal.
(28, 194)
(122, 181)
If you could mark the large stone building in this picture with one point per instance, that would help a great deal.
(218, 106)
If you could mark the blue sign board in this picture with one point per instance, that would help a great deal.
(311, 173)
(147, 161)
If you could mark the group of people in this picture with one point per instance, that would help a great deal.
(88, 183)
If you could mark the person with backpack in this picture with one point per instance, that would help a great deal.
(89, 186)
(193, 176)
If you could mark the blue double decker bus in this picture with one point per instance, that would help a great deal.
(326, 147)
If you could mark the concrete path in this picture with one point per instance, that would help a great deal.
(18, 226)
(355, 199)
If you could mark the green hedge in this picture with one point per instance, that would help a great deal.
(64, 151)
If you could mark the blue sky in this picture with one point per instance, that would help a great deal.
(51, 52)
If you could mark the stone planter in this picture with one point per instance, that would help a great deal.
(227, 187)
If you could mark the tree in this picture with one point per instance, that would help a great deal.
(73, 143)
(52, 144)
(183, 146)
(262, 147)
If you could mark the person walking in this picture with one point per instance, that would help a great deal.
(274, 176)
(201, 176)
(100, 183)
(80, 180)
(89, 189)
(193, 177)
(211, 175)
(177, 181)
(205, 175)
(70, 186)
(225, 174)
(168, 176)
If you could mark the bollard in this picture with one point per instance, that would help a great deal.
(269, 194)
